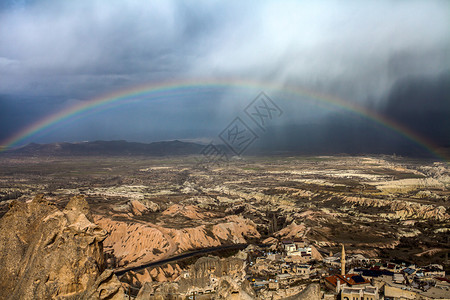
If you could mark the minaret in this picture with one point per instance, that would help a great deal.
(343, 261)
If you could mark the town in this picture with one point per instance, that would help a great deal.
(295, 269)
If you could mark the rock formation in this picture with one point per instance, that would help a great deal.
(134, 243)
(164, 273)
(224, 276)
(312, 292)
(403, 209)
(292, 231)
(47, 253)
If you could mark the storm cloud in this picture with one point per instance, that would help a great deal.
(56, 53)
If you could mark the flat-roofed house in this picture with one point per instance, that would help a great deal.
(360, 293)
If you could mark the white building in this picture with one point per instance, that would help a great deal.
(360, 293)
(297, 248)
(289, 247)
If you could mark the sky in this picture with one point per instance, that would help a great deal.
(392, 57)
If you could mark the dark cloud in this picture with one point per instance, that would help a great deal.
(54, 53)
(421, 104)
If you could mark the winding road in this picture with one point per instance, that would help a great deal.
(120, 272)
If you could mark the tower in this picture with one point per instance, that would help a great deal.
(343, 261)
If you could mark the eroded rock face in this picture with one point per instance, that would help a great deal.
(134, 243)
(312, 292)
(228, 288)
(292, 231)
(165, 273)
(404, 209)
(207, 270)
(224, 276)
(47, 253)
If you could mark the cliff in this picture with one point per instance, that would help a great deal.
(48, 253)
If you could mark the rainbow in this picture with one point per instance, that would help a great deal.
(165, 89)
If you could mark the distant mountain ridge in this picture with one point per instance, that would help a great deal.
(180, 148)
(121, 147)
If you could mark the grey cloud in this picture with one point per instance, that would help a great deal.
(63, 50)
(307, 42)
(353, 45)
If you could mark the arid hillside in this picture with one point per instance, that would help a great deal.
(156, 208)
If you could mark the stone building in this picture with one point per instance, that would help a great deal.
(360, 293)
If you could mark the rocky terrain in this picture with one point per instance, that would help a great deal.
(137, 243)
(48, 253)
(150, 209)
